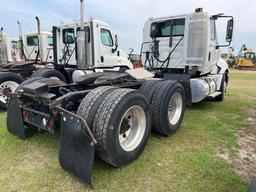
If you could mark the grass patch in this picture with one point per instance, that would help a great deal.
(186, 161)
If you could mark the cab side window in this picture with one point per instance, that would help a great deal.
(50, 40)
(68, 36)
(106, 38)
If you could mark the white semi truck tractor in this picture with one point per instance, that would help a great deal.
(9, 49)
(102, 52)
(110, 114)
(187, 47)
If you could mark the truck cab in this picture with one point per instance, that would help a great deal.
(42, 43)
(186, 47)
(101, 45)
(9, 49)
(185, 42)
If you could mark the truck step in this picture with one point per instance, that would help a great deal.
(215, 94)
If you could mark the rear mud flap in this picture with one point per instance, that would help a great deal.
(77, 147)
(15, 118)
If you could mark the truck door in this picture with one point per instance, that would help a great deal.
(103, 44)
(107, 58)
(31, 48)
(49, 54)
(213, 53)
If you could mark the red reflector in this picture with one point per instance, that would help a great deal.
(49, 124)
(25, 114)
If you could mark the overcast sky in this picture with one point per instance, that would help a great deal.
(126, 18)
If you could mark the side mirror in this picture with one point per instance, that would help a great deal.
(116, 41)
(230, 27)
(116, 44)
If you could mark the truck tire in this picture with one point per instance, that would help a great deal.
(149, 87)
(121, 126)
(221, 97)
(91, 103)
(168, 107)
(49, 73)
(8, 82)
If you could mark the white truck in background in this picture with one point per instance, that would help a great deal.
(59, 49)
(102, 47)
(186, 46)
(45, 41)
(39, 45)
(9, 48)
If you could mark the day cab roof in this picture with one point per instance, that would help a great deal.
(156, 19)
(36, 33)
(76, 24)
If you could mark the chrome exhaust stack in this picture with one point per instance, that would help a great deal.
(21, 45)
(1, 34)
(39, 53)
(81, 41)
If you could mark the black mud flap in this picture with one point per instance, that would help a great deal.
(77, 147)
(15, 118)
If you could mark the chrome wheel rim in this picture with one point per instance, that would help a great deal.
(132, 128)
(175, 108)
(7, 87)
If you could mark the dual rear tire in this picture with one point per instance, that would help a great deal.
(167, 99)
(121, 119)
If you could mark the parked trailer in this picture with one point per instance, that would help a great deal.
(111, 113)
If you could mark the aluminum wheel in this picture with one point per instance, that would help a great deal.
(7, 88)
(175, 109)
(132, 128)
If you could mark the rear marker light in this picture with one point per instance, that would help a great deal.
(25, 114)
(49, 124)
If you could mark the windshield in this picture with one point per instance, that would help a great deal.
(250, 56)
(50, 40)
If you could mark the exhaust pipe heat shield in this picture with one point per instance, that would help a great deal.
(15, 118)
(77, 150)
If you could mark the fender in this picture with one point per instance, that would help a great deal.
(222, 64)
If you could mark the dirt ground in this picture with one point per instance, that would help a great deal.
(243, 160)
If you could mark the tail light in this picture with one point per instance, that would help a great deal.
(25, 115)
(49, 124)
